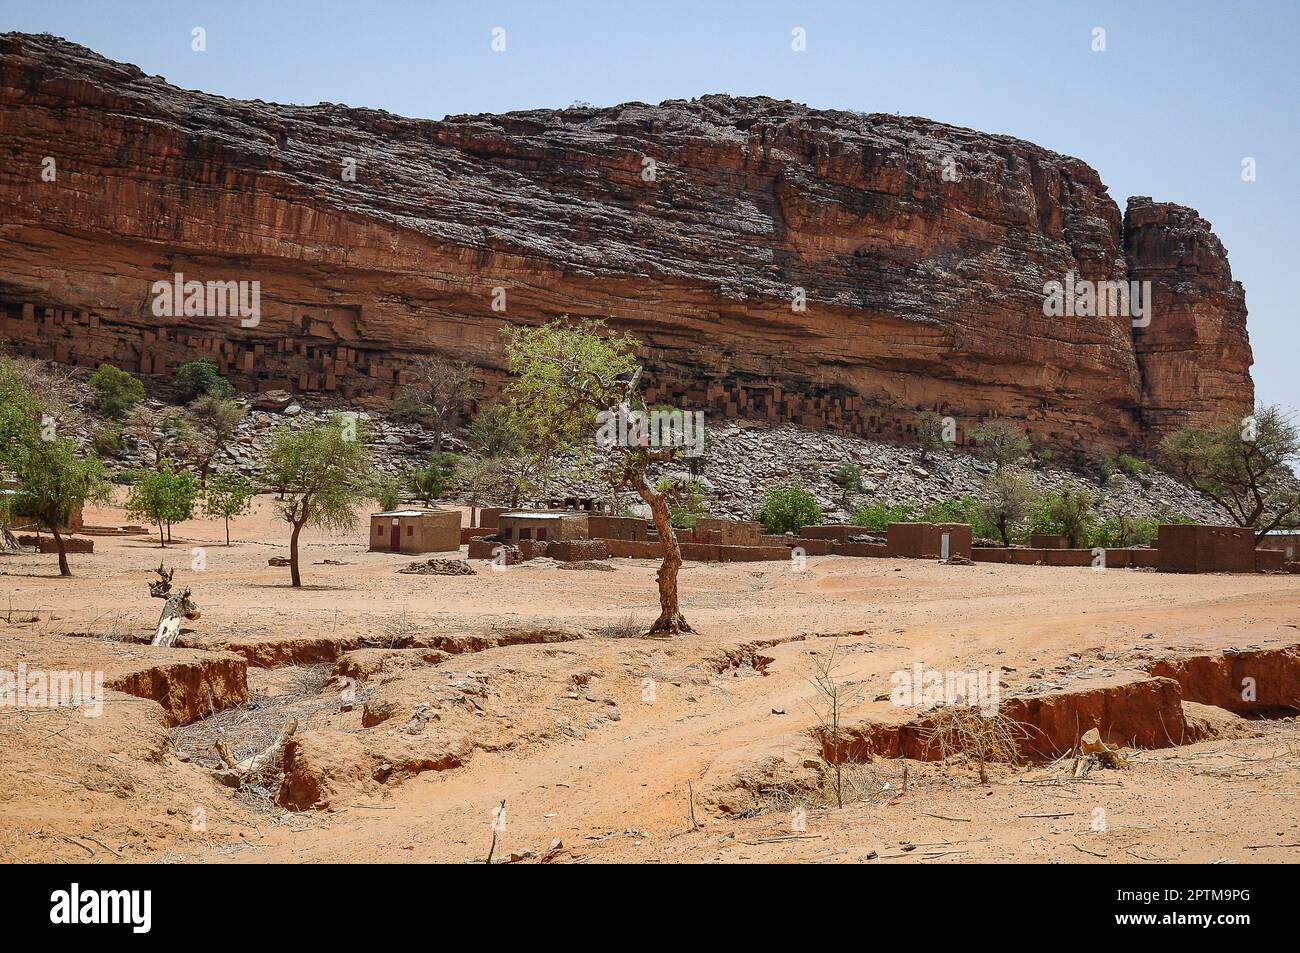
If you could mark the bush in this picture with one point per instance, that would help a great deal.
(1067, 512)
(118, 390)
(848, 476)
(107, 441)
(1120, 531)
(686, 502)
(788, 508)
(198, 378)
(965, 510)
(880, 515)
(1133, 466)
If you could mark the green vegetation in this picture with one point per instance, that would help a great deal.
(322, 472)
(118, 391)
(1000, 443)
(1242, 466)
(198, 378)
(878, 516)
(163, 496)
(227, 495)
(1008, 499)
(788, 508)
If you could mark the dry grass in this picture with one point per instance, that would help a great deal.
(629, 627)
(967, 731)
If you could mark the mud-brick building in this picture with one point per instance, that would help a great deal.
(541, 526)
(415, 531)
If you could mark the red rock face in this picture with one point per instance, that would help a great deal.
(692, 224)
(1195, 356)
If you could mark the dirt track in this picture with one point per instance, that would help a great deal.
(593, 740)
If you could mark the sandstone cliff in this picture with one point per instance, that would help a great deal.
(692, 224)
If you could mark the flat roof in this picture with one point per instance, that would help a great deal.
(522, 514)
(407, 513)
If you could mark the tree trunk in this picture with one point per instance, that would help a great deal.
(227, 530)
(670, 621)
(294, 578)
(169, 622)
(161, 542)
(63, 556)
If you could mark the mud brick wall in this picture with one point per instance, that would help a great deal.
(1048, 541)
(925, 540)
(731, 532)
(1202, 548)
(627, 528)
(574, 550)
(1269, 560)
(877, 550)
(815, 547)
(835, 531)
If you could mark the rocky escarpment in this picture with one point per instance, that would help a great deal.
(920, 249)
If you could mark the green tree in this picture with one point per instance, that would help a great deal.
(439, 390)
(322, 472)
(496, 431)
(879, 515)
(214, 420)
(788, 508)
(848, 477)
(929, 433)
(1070, 512)
(118, 391)
(163, 496)
(1242, 466)
(435, 480)
(54, 481)
(227, 495)
(1000, 443)
(687, 505)
(967, 509)
(198, 378)
(1007, 499)
(578, 392)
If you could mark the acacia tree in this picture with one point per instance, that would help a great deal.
(1242, 467)
(1008, 497)
(215, 419)
(54, 481)
(227, 495)
(440, 388)
(163, 496)
(322, 473)
(573, 380)
(1000, 443)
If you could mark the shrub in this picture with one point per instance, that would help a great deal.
(107, 441)
(1132, 465)
(1067, 512)
(686, 502)
(965, 510)
(880, 515)
(198, 378)
(1123, 531)
(848, 476)
(118, 390)
(1000, 443)
(788, 508)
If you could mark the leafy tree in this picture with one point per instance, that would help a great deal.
(964, 510)
(1123, 530)
(227, 495)
(54, 480)
(687, 505)
(118, 390)
(577, 382)
(163, 496)
(496, 431)
(214, 420)
(929, 433)
(434, 481)
(787, 509)
(1071, 511)
(1242, 467)
(198, 378)
(1132, 465)
(1000, 443)
(848, 477)
(439, 390)
(878, 516)
(1008, 497)
(322, 473)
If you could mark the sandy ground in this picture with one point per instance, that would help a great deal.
(623, 750)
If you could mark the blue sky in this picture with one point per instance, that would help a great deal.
(1183, 92)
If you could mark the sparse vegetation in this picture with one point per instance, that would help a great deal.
(1008, 496)
(878, 516)
(163, 496)
(226, 496)
(200, 378)
(1000, 443)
